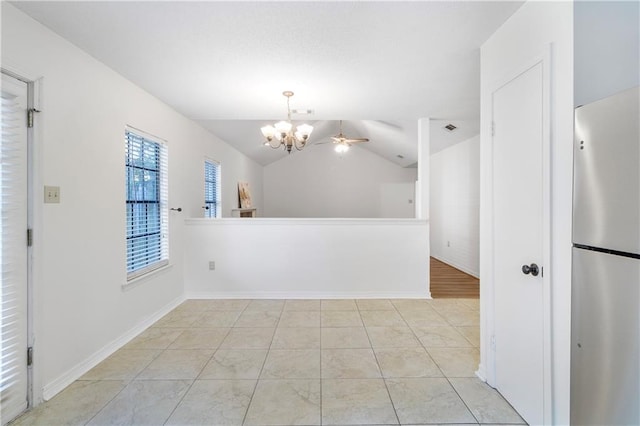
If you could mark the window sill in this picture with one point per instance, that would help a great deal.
(142, 278)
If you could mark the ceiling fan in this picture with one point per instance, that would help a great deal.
(343, 143)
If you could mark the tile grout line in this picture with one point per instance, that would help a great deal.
(204, 366)
(375, 356)
(244, 418)
(439, 368)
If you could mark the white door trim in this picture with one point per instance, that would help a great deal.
(487, 369)
(34, 222)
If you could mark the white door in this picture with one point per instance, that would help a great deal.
(518, 240)
(13, 249)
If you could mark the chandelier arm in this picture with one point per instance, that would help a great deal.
(276, 146)
(299, 144)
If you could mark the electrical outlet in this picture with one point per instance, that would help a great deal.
(448, 244)
(51, 194)
(212, 265)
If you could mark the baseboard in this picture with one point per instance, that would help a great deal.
(307, 295)
(54, 387)
(481, 373)
(464, 269)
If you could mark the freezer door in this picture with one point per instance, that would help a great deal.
(605, 330)
(606, 204)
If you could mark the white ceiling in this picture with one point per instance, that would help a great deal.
(377, 65)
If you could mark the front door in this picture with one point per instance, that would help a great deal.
(518, 241)
(13, 249)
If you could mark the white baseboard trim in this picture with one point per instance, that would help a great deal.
(464, 269)
(481, 373)
(52, 388)
(307, 295)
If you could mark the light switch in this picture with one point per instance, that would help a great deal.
(52, 194)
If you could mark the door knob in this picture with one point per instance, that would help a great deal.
(530, 269)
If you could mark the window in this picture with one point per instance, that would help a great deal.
(211, 189)
(147, 218)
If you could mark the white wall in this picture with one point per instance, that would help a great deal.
(455, 205)
(606, 48)
(318, 182)
(527, 34)
(306, 258)
(81, 311)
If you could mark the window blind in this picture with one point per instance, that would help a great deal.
(212, 189)
(146, 204)
(13, 249)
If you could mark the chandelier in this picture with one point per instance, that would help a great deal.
(282, 133)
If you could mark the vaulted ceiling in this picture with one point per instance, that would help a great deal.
(379, 66)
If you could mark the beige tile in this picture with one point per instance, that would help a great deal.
(411, 304)
(344, 338)
(427, 400)
(392, 337)
(459, 315)
(200, 338)
(178, 319)
(248, 338)
(196, 305)
(174, 364)
(382, 319)
(258, 319)
(143, 402)
(124, 364)
(214, 402)
(341, 319)
(234, 364)
(217, 319)
(154, 338)
(456, 362)
(292, 364)
(356, 402)
(300, 318)
(75, 405)
(375, 305)
(471, 333)
(441, 337)
(446, 303)
(486, 404)
(471, 303)
(265, 305)
(296, 338)
(349, 364)
(423, 318)
(302, 305)
(338, 305)
(228, 304)
(285, 402)
(406, 362)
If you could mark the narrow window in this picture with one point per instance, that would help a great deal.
(212, 189)
(146, 203)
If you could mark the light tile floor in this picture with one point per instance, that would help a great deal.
(293, 362)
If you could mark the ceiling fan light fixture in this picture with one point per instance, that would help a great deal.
(284, 134)
(342, 148)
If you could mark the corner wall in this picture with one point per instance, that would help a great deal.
(529, 32)
(455, 205)
(81, 312)
(606, 48)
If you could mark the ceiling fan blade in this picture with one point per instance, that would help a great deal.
(356, 140)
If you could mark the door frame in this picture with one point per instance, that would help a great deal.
(487, 368)
(35, 191)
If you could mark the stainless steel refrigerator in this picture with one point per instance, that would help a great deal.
(605, 323)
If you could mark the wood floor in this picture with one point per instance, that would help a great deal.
(447, 281)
